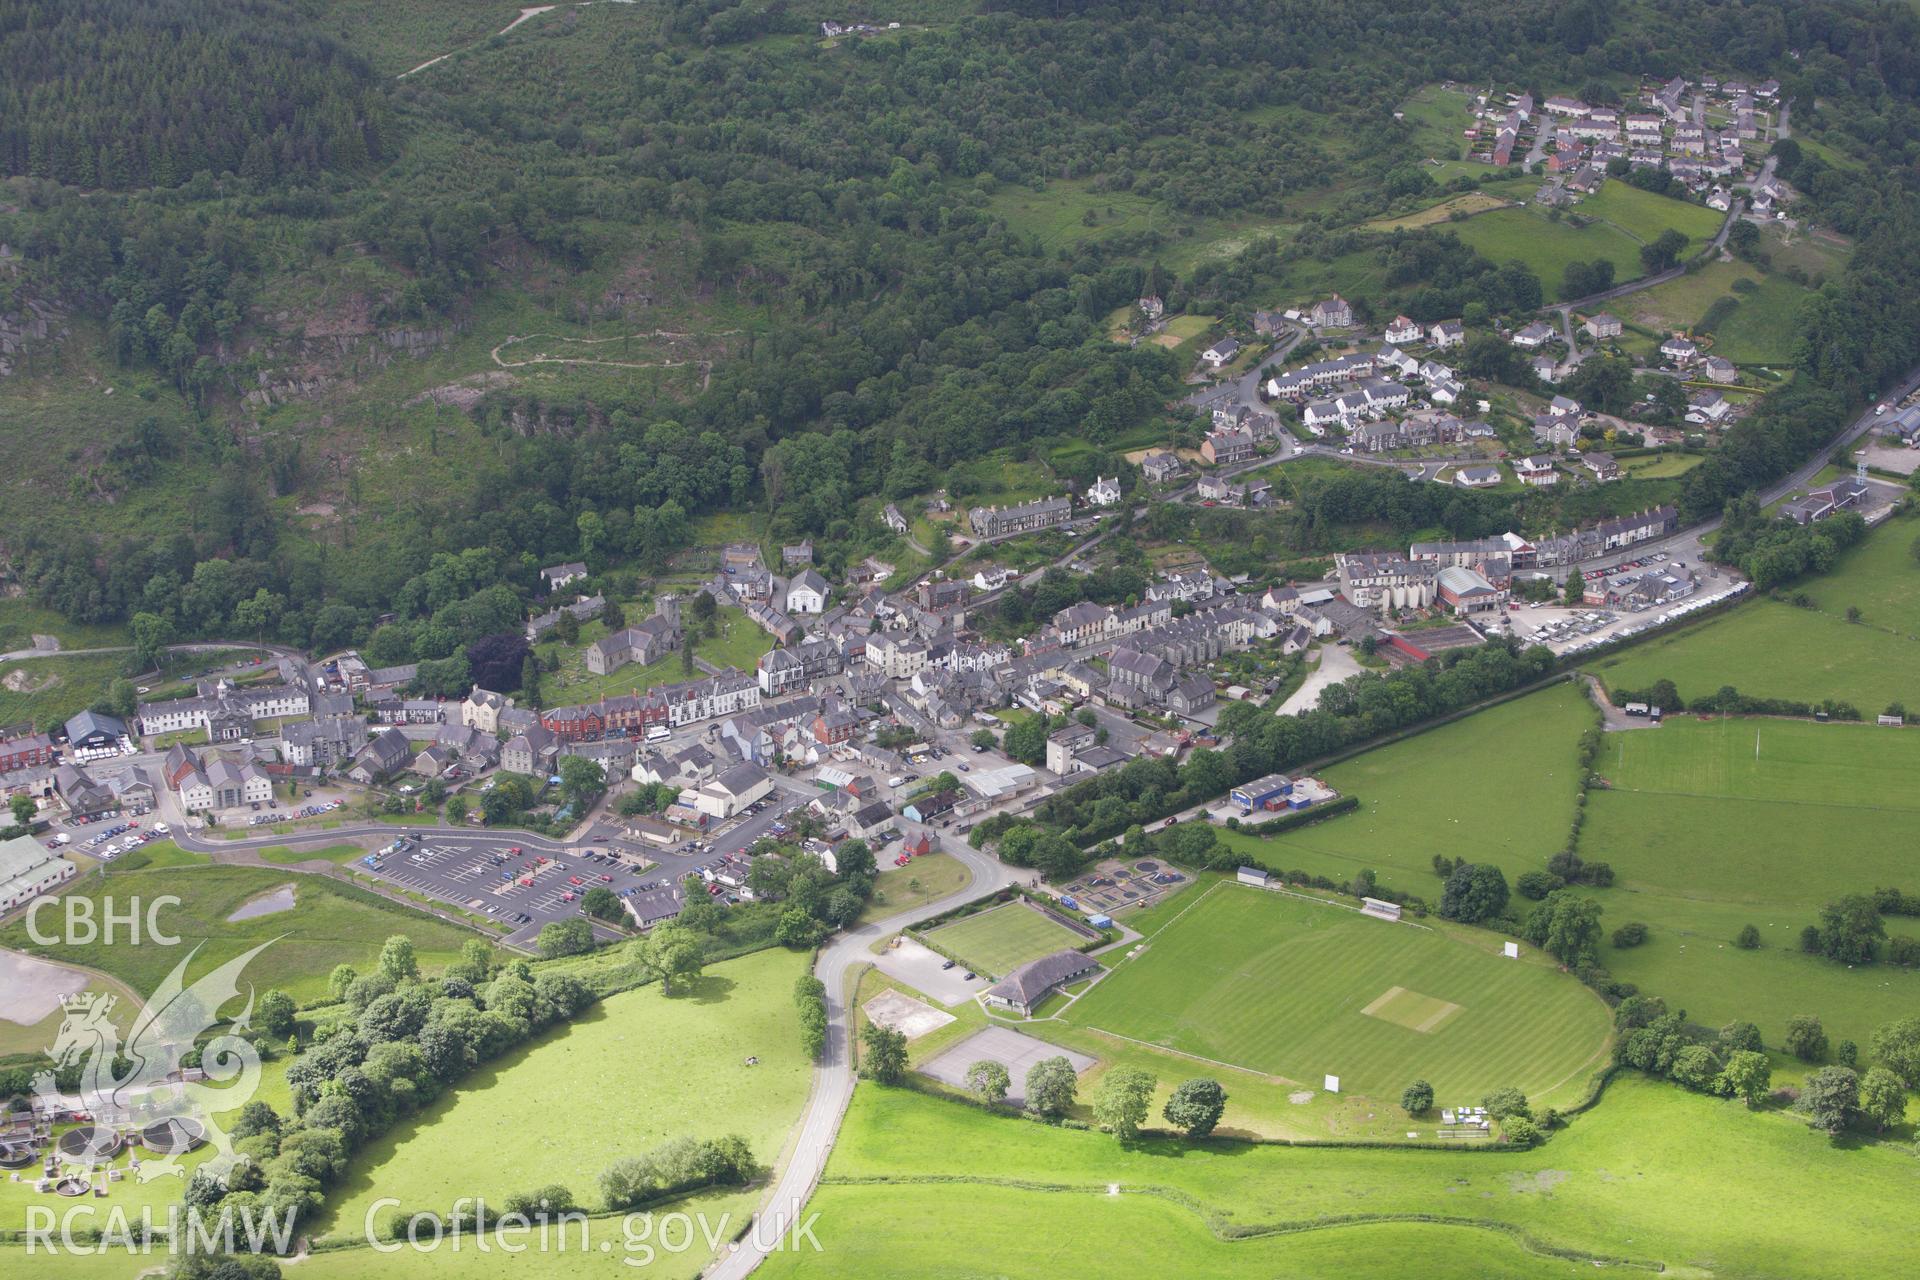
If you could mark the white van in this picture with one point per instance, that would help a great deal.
(897, 780)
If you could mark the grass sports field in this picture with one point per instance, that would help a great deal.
(1496, 787)
(635, 1071)
(1000, 940)
(1713, 825)
(1772, 649)
(1659, 1176)
(330, 924)
(1304, 989)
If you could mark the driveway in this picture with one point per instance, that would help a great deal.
(833, 1075)
(1337, 663)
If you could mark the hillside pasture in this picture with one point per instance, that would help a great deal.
(1671, 1181)
(1644, 215)
(651, 1068)
(1498, 787)
(1773, 649)
(1713, 825)
(1301, 989)
(1545, 246)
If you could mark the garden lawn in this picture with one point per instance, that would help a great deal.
(1497, 786)
(1301, 989)
(1001, 939)
(634, 1071)
(330, 924)
(1546, 247)
(1714, 825)
(1697, 1185)
(1772, 649)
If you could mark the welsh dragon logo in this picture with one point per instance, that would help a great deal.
(139, 1083)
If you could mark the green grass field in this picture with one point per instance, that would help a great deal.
(1772, 649)
(1644, 215)
(997, 941)
(1765, 326)
(638, 1069)
(1694, 1185)
(1496, 787)
(924, 879)
(1713, 825)
(330, 924)
(1303, 989)
(1546, 246)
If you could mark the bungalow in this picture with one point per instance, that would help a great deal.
(890, 514)
(1025, 988)
(1401, 331)
(1823, 502)
(928, 808)
(1533, 336)
(1221, 353)
(1476, 477)
(1447, 333)
(1602, 326)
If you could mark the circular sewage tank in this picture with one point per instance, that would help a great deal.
(88, 1144)
(174, 1136)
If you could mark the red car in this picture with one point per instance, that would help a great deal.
(606, 879)
(515, 850)
(575, 880)
(714, 889)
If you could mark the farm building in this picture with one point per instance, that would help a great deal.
(1253, 876)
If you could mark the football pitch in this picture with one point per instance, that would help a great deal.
(1303, 989)
(1004, 938)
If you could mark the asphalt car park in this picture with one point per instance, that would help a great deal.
(493, 876)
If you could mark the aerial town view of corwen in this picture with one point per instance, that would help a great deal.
(959, 639)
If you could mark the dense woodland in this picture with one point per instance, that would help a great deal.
(848, 192)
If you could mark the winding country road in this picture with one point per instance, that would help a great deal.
(833, 1078)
